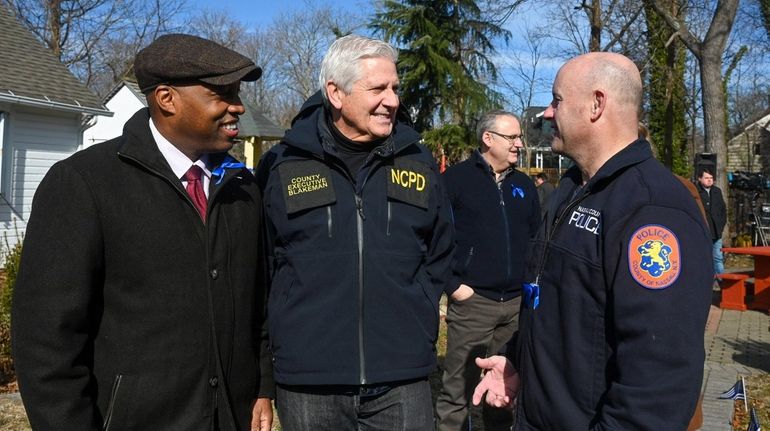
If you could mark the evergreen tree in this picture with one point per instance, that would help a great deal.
(444, 63)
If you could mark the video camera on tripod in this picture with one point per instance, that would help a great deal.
(750, 193)
(748, 181)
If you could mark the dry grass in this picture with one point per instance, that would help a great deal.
(12, 415)
(758, 387)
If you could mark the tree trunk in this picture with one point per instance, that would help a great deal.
(54, 24)
(714, 125)
(596, 26)
(709, 53)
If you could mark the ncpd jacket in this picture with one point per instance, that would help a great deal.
(616, 341)
(493, 225)
(129, 313)
(358, 269)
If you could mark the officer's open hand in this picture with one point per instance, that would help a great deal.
(500, 382)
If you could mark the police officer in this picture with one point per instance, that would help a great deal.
(616, 299)
(361, 238)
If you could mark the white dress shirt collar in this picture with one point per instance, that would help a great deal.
(178, 162)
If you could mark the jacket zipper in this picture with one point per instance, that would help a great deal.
(507, 240)
(556, 223)
(360, 235)
(329, 219)
(111, 404)
(387, 230)
(360, 218)
(468, 259)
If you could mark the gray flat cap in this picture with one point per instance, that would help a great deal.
(183, 57)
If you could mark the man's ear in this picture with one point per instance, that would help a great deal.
(486, 141)
(335, 94)
(166, 99)
(598, 103)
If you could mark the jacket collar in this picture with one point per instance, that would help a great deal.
(636, 152)
(309, 131)
(140, 146)
(482, 163)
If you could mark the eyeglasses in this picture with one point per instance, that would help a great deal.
(509, 138)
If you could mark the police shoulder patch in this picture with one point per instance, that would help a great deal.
(654, 257)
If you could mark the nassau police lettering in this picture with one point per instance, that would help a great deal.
(305, 184)
(586, 219)
(407, 179)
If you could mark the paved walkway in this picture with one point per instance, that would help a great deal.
(737, 343)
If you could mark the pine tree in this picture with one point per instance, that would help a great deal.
(444, 63)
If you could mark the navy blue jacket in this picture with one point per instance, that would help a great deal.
(357, 270)
(616, 341)
(493, 226)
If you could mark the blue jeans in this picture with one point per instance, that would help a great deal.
(406, 407)
(719, 261)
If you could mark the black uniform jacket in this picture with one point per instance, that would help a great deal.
(358, 268)
(129, 313)
(623, 265)
(493, 223)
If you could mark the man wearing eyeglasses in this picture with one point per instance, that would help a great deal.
(496, 211)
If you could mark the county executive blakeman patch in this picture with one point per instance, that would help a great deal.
(653, 256)
(306, 184)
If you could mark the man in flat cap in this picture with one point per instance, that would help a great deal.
(139, 302)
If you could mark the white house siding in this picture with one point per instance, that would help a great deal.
(748, 151)
(123, 104)
(34, 141)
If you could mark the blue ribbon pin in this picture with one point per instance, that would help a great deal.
(227, 163)
(531, 295)
(517, 191)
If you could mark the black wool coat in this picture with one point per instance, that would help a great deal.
(129, 313)
(716, 210)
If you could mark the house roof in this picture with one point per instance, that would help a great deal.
(131, 85)
(31, 75)
(761, 120)
(253, 123)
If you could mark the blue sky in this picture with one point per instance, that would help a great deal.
(263, 12)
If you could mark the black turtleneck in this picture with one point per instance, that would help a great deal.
(352, 153)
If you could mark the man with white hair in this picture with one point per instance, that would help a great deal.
(616, 294)
(361, 241)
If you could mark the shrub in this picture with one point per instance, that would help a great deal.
(11, 258)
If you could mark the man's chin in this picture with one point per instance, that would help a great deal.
(557, 145)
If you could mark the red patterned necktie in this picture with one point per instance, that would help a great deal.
(195, 189)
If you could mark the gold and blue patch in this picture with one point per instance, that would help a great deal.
(654, 257)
